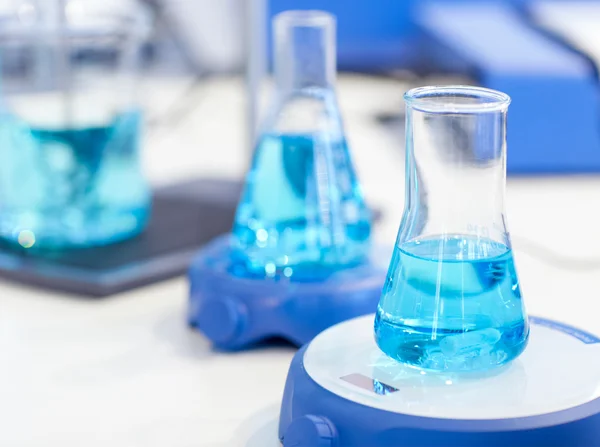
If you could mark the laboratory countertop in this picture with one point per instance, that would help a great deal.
(127, 372)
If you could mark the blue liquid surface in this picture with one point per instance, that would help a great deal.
(452, 304)
(302, 212)
(74, 187)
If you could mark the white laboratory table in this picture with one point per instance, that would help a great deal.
(127, 372)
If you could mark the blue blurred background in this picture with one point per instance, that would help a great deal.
(542, 53)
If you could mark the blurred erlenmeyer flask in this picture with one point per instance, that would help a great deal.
(302, 212)
(70, 173)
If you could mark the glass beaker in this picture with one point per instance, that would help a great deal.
(302, 212)
(70, 126)
(451, 300)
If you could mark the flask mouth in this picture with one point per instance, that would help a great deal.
(456, 99)
(305, 18)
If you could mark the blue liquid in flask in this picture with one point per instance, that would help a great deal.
(302, 212)
(71, 187)
(452, 303)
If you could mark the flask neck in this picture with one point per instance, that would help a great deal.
(304, 51)
(456, 165)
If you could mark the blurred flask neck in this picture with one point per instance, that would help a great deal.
(304, 51)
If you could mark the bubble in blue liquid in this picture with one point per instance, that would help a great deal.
(452, 304)
(302, 213)
(71, 187)
(26, 238)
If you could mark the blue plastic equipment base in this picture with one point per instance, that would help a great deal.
(342, 391)
(236, 312)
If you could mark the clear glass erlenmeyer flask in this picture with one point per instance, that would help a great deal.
(451, 300)
(302, 212)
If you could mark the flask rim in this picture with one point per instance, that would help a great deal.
(305, 18)
(456, 99)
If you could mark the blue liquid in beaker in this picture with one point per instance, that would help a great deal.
(302, 211)
(71, 187)
(452, 304)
